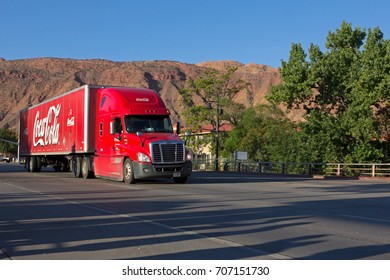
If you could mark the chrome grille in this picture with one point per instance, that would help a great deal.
(167, 152)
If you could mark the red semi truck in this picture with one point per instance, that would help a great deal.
(117, 133)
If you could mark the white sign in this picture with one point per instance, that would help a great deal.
(241, 155)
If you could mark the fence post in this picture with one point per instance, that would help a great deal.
(338, 169)
(373, 170)
(308, 168)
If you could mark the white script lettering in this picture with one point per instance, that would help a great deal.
(145, 99)
(46, 130)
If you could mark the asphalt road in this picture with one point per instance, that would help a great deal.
(50, 215)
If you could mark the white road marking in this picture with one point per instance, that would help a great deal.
(365, 218)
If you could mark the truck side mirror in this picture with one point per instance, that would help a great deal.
(139, 134)
(178, 128)
(112, 128)
(187, 135)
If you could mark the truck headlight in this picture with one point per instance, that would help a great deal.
(188, 155)
(142, 157)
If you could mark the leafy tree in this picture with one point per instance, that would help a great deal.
(10, 135)
(215, 92)
(344, 92)
(266, 134)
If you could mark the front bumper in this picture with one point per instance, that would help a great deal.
(147, 170)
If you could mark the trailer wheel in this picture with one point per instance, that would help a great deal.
(77, 167)
(128, 172)
(39, 164)
(27, 164)
(86, 168)
(32, 164)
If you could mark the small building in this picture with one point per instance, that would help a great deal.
(200, 142)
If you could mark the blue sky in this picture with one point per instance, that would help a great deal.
(247, 31)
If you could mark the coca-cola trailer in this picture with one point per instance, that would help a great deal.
(117, 133)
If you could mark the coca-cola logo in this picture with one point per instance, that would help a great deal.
(46, 130)
(145, 99)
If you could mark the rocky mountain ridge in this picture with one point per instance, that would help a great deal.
(30, 81)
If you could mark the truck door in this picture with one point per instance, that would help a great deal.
(112, 142)
(108, 162)
(116, 168)
(102, 150)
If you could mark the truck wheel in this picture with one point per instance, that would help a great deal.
(128, 172)
(39, 164)
(180, 180)
(85, 168)
(77, 167)
(32, 164)
(27, 164)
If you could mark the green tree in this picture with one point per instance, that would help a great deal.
(266, 134)
(10, 135)
(344, 92)
(209, 100)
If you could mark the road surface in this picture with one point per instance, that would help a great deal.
(50, 215)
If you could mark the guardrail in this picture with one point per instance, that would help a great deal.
(298, 168)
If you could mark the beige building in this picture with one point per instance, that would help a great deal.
(200, 142)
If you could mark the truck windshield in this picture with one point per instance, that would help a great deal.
(148, 124)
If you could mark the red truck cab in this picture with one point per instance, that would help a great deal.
(135, 138)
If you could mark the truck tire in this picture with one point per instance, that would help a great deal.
(32, 164)
(128, 172)
(27, 164)
(86, 171)
(77, 167)
(39, 164)
(180, 180)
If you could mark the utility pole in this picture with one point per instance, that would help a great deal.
(216, 164)
(216, 132)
